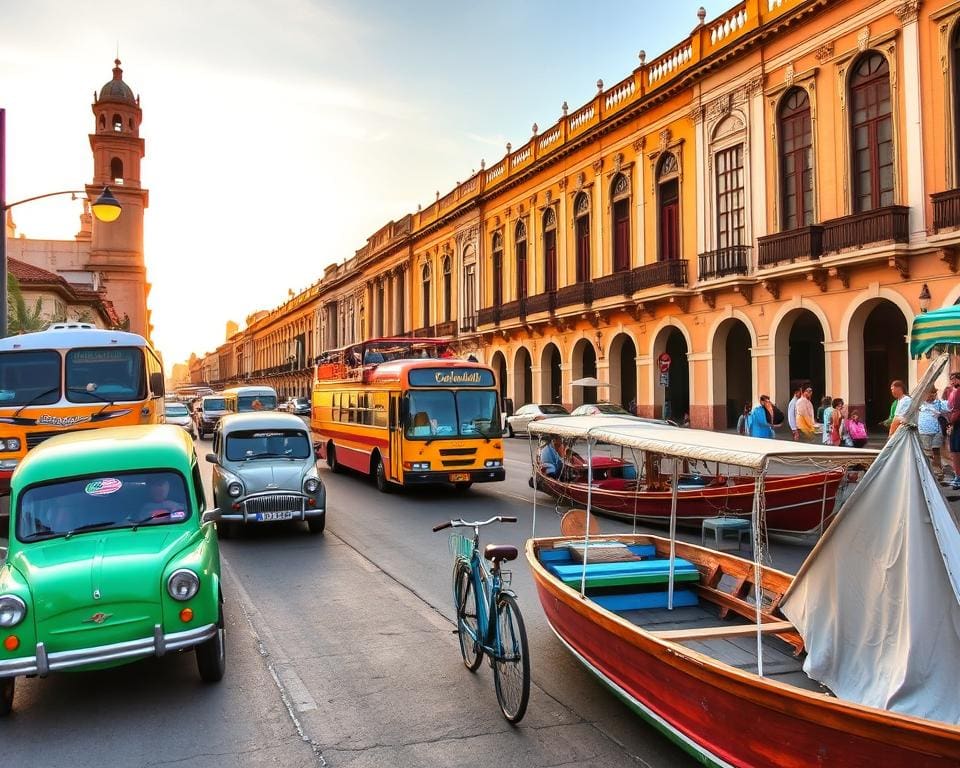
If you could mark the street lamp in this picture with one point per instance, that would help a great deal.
(106, 208)
(925, 298)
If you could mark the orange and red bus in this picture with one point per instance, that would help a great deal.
(405, 418)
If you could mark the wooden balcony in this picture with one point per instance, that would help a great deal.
(733, 260)
(878, 226)
(946, 209)
(672, 272)
(513, 309)
(617, 284)
(578, 293)
(488, 316)
(469, 324)
(448, 328)
(427, 332)
(542, 302)
(801, 244)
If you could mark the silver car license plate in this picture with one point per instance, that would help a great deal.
(266, 517)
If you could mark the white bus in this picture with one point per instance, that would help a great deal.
(243, 399)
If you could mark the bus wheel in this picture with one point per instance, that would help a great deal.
(464, 486)
(332, 458)
(380, 475)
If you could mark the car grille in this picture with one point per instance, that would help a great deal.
(458, 451)
(35, 438)
(458, 463)
(279, 502)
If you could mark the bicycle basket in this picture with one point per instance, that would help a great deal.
(461, 546)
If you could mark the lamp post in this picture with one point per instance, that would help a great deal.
(924, 299)
(106, 208)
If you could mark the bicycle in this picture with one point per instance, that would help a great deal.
(475, 589)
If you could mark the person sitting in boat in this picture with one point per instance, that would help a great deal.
(551, 461)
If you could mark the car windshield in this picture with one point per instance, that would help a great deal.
(29, 377)
(105, 375)
(244, 445)
(217, 404)
(611, 408)
(256, 403)
(442, 413)
(554, 410)
(102, 502)
(176, 410)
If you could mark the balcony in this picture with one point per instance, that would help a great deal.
(732, 260)
(488, 316)
(946, 209)
(673, 272)
(448, 328)
(427, 332)
(860, 229)
(578, 293)
(513, 309)
(469, 324)
(542, 302)
(617, 284)
(801, 244)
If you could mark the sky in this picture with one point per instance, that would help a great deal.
(280, 135)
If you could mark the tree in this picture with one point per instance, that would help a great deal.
(20, 319)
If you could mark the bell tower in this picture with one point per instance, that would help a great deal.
(117, 247)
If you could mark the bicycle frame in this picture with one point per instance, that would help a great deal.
(487, 586)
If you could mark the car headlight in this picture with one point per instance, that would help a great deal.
(183, 584)
(235, 490)
(311, 485)
(10, 444)
(12, 610)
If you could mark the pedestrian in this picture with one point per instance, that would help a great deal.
(825, 419)
(953, 402)
(857, 430)
(928, 428)
(806, 425)
(742, 421)
(825, 402)
(836, 421)
(758, 422)
(792, 413)
(899, 391)
(632, 406)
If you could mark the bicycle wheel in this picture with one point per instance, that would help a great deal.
(465, 601)
(511, 666)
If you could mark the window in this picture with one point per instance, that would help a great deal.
(497, 268)
(116, 170)
(401, 297)
(668, 202)
(425, 277)
(469, 290)
(871, 133)
(29, 377)
(105, 375)
(117, 124)
(796, 161)
(731, 214)
(581, 208)
(620, 194)
(520, 243)
(549, 250)
(447, 290)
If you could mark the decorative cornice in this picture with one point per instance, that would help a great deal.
(824, 52)
(908, 12)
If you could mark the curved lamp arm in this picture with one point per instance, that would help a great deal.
(106, 207)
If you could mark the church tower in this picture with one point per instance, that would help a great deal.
(117, 247)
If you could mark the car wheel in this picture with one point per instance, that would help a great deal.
(316, 524)
(212, 655)
(332, 459)
(7, 687)
(380, 475)
(510, 431)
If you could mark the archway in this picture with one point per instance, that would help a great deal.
(799, 344)
(732, 372)
(522, 378)
(499, 364)
(623, 370)
(551, 375)
(584, 365)
(671, 390)
(878, 342)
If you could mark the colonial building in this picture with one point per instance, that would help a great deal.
(764, 204)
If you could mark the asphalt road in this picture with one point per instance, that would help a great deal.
(342, 652)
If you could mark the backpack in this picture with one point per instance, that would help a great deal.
(777, 416)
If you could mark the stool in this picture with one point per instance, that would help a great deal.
(720, 526)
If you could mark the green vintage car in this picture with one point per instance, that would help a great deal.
(112, 557)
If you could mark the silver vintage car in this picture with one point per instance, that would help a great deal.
(264, 469)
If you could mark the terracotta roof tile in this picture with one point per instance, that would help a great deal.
(27, 273)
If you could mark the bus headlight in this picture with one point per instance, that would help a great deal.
(183, 584)
(9, 443)
(492, 463)
(235, 490)
(12, 610)
(311, 485)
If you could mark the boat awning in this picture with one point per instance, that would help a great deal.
(939, 328)
(695, 444)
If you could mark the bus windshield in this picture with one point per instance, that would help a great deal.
(29, 377)
(442, 413)
(98, 375)
(256, 403)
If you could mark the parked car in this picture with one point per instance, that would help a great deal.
(207, 413)
(298, 405)
(600, 409)
(179, 415)
(112, 558)
(264, 469)
(532, 412)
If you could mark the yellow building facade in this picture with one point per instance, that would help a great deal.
(760, 206)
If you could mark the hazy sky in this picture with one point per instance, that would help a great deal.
(280, 135)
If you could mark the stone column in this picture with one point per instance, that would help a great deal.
(913, 119)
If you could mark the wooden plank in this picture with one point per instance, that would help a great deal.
(619, 603)
(738, 630)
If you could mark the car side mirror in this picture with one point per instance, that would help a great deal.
(3, 554)
(210, 516)
(156, 384)
(212, 458)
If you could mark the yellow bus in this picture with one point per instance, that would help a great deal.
(250, 398)
(408, 420)
(69, 377)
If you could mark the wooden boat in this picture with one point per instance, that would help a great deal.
(852, 662)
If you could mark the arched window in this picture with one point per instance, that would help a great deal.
(116, 170)
(425, 278)
(581, 212)
(731, 197)
(871, 131)
(620, 195)
(549, 250)
(103, 122)
(520, 248)
(497, 270)
(668, 206)
(796, 160)
(447, 291)
(117, 123)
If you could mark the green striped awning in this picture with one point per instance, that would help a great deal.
(939, 328)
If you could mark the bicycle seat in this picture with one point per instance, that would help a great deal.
(500, 552)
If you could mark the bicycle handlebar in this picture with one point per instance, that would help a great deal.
(475, 523)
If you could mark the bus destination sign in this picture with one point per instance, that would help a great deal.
(451, 377)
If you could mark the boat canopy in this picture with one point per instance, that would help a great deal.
(937, 329)
(696, 444)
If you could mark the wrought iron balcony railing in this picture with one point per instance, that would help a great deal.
(673, 272)
(732, 260)
(801, 244)
(860, 229)
(946, 209)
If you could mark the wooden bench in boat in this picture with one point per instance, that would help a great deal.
(630, 573)
(734, 630)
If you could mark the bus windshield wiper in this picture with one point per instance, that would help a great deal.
(34, 399)
(106, 401)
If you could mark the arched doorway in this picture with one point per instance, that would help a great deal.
(732, 372)
(799, 341)
(522, 378)
(623, 370)
(671, 390)
(499, 364)
(883, 357)
(551, 376)
(584, 365)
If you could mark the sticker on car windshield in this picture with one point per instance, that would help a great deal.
(178, 515)
(103, 487)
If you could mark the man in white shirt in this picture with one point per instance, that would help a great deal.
(899, 392)
(792, 413)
